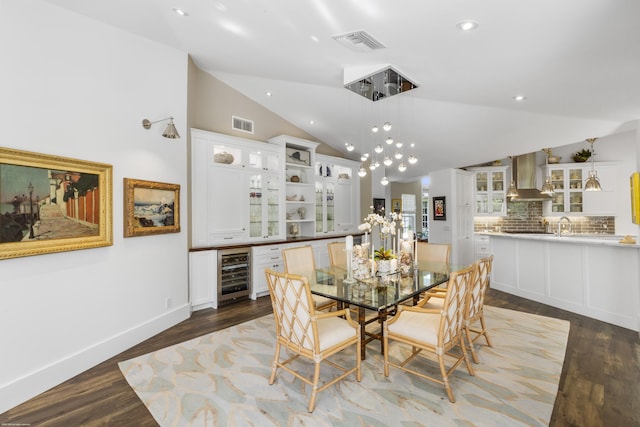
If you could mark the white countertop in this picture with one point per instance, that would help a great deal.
(591, 239)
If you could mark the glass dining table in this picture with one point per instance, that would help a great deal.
(376, 298)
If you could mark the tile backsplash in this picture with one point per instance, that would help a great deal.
(527, 216)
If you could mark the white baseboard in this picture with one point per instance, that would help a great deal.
(40, 380)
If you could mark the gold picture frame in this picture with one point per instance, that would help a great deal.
(150, 208)
(396, 205)
(53, 204)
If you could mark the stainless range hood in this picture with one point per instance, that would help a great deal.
(524, 171)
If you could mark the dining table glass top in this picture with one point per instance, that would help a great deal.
(381, 292)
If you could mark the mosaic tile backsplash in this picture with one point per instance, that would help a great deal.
(528, 217)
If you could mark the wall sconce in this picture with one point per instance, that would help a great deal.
(170, 132)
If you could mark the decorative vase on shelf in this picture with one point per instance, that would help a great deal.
(302, 212)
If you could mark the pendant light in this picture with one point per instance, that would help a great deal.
(512, 191)
(547, 187)
(592, 183)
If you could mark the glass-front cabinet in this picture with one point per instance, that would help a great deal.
(236, 190)
(567, 181)
(264, 205)
(337, 195)
(490, 190)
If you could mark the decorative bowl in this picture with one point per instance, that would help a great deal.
(554, 159)
(224, 157)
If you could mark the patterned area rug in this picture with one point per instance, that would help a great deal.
(221, 379)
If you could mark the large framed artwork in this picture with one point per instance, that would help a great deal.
(53, 204)
(439, 209)
(150, 208)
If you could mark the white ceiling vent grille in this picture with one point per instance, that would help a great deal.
(243, 125)
(360, 41)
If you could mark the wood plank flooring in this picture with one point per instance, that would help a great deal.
(600, 383)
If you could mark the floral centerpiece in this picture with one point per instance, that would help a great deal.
(387, 229)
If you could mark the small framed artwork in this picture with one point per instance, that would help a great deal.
(53, 204)
(439, 209)
(378, 206)
(396, 205)
(298, 157)
(150, 208)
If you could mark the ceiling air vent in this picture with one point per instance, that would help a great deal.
(243, 125)
(359, 40)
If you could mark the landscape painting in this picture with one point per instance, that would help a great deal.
(52, 204)
(150, 208)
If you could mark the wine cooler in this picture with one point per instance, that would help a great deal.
(234, 275)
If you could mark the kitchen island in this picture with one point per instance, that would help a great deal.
(592, 275)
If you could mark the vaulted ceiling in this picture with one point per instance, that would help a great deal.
(576, 62)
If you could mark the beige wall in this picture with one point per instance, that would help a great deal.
(214, 103)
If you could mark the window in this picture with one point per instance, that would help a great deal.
(425, 214)
(408, 214)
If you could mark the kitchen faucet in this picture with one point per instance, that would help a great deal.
(560, 225)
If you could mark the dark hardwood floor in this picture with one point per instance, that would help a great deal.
(600, 383)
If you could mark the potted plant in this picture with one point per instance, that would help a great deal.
(383, 257)
(582, 155)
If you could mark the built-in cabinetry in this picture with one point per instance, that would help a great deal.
(268, 256)
(336, 195)
(236, 190)
(482, 245)
(569, 197)
(589, 278)
(300, 158)
(203, 279)
(490, 188)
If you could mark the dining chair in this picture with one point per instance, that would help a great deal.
(436, 253)
(307, 334)
(301, 261)
(438, 331)
(337, 254)
(475, 305)
(474, 309)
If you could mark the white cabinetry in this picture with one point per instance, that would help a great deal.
(463, 247)
(263, 257)
(236, 194)
(482, 245)
(490, 187)
(569, 196)
(300, 158)
(203, 279)
(337, 195)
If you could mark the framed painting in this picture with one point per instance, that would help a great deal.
(150, 208)
(396, 205)
(439, 209)
(53, 204)
(378, 206)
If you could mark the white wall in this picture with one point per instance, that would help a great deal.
(73, 87)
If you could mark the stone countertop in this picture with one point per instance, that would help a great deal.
(590, 239)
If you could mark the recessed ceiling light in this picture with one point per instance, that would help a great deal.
(311, 122)
(315, 39)
(519, 98)
(467, 25)
(180, 12)
(268, 93)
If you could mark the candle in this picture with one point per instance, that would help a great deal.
(415, 248)
(349, 243)
(366, 237)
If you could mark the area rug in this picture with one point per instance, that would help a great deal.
(222, 379)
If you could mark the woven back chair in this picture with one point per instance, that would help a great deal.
(437, 331)
(433, 253)
(475, 305)
(307, 334)
(337, 254)
(301, 261)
